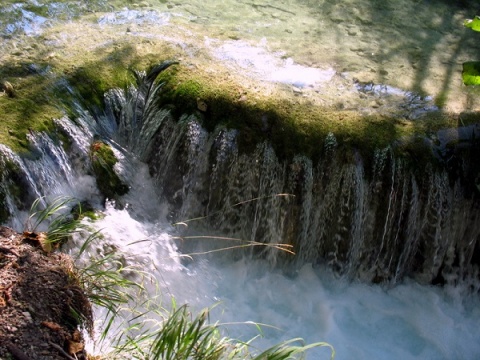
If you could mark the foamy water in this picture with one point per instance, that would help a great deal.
(361, 321)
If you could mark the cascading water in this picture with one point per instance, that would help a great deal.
(379, 226)
(376, 222)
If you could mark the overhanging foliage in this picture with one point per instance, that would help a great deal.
(471, 69)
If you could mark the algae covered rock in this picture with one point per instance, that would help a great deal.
(103, 161)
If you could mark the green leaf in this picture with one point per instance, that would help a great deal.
(473, 24)
(471, 73)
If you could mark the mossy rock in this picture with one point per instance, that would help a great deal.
(84, 210)
(14, 185)
(4, 213)
(103, 161)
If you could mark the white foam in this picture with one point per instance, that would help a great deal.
(271, 66)
(361, 321)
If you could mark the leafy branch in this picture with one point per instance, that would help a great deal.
(471, 69)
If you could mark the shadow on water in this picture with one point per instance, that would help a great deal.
(392, 39)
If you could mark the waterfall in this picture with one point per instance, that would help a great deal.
(375, 220)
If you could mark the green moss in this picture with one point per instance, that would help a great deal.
(103, 161)
(84, 210)
(92, 215)
(46, 91)
(17, 183)
(30, 110)
(90, 77)
(4, 212)
(88, 82)
(293, 127)
(14, 184)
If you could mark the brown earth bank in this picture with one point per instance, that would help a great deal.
(42, 306)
